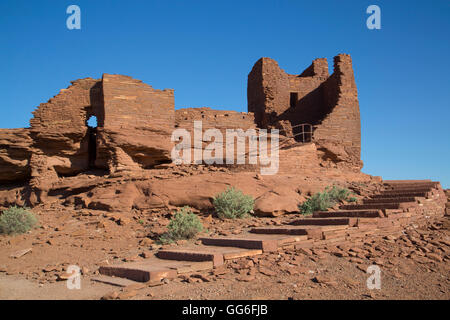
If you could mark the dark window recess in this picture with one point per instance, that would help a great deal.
(294, 99)
(92, 140)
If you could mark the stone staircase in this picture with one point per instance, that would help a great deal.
(400, 203)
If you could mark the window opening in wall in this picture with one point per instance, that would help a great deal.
(303, 132)
(92, 142)
(92, 122)
(294, 99)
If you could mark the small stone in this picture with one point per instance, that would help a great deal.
(325, 280)
(340, 254)
(110, 296)
(208, 219)
(306, 251)
(64, 276)
(127, 295)
(135, 287)
(267, 271)
(146, 242)
(201, 277)
(434, 257)
(362, 268)
(123, 221)
(155, 247)
(21, 253)
(146, 254)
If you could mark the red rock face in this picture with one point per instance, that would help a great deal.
(15, 153)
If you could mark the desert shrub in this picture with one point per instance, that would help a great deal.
(232, 204)
(318, 202)
(326, 199)
(338, 194)
(16, 220)
(184, 225)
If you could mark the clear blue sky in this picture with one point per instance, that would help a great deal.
(205, 49)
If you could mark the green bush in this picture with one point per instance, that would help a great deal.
(338, 194)
(232, 204)
(16, 220)
(323, 200)
(184, 225)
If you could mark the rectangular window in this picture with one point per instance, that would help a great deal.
(294, 99)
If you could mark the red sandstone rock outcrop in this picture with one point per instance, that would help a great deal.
(15, 153)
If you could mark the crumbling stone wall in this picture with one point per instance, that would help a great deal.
(134, 126)
(328, 103)
(215, 119)
(267, 91)
(137, 126)
(219, 119)
(339, 132)
(60, 133)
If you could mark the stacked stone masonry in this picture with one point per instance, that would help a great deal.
(328, 103)
(135, 124)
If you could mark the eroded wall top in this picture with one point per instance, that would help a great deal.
(328, 102)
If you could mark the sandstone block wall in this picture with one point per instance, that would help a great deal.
(135, 123)
(215, 119)
(134, 126)
(328, 102)
(137, 127)
(60, 133)
(341, 126)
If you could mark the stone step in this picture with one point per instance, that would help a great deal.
(389, 200)
(264, 242)
(409, 187)
(404, 190)
(325, 221)
(114, 281)
(406, 181)
(399, 195)
(348, 214)
(412, 184)
(216, 254)
(153, 269)
(303, 232)
(394, 205)
(427, 184)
